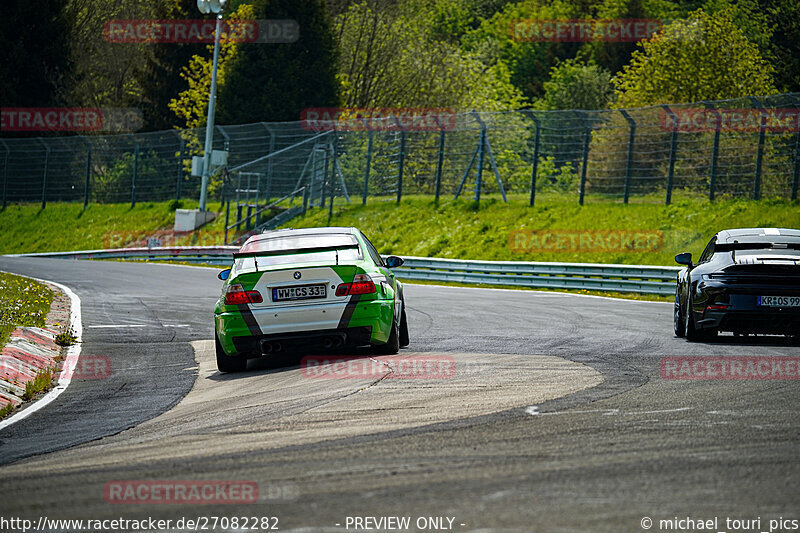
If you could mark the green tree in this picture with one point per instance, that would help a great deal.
(403, 55)
(191, 104)
(275, 82)
(701, 58)
(35, 41)
(160, 74)
(573, 85)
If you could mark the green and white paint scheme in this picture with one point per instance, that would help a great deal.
(308, 261)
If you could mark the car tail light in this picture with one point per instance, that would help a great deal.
(717, 307)
(236, 295)
(362, 284)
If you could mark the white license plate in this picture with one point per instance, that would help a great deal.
(779, 301)
(299, 292)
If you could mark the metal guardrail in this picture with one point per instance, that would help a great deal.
(639, 279)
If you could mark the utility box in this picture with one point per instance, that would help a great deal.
(191, 219)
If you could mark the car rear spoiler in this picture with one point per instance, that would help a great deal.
(731, 247)
(265, 253)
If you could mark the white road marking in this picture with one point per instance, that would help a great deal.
(111, 326)
(541, 293)
(534, 410)
(104, 326)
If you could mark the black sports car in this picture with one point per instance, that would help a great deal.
(746, 281)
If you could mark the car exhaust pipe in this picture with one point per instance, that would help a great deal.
(266, 347)
(332, 342)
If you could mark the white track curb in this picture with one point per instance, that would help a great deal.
(70, 361)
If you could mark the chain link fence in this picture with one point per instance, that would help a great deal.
(742, 148)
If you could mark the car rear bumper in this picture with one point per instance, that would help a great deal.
(776, 322)
(240, 332)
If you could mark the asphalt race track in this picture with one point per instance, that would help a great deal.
(555, 420)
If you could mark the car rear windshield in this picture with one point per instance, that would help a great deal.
(299, 250)
(296, 243)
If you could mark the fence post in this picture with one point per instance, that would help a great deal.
(629, 162)
(366, 170)
(87, 181)
(796, 151)
(439, 161)
(673, 143)
(481, 146)
(712, 180)
(324, 184)
(44, 177)
(587, 135)
(268, 186)
(6, 151)
(535, 163)
(179, 176)
(135, 170)
(760, 152)
(402, 160)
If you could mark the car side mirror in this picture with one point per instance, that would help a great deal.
(225, 274)
(393, 261)
(684, 259)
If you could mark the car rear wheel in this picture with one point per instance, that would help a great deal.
(404, 340)
(227, 363)
(694, 334)
(678, 323)
(393, 345)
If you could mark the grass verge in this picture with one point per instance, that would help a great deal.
(460, 230)
(23, 302)
(43, 381)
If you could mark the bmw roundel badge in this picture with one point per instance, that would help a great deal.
(297, 275)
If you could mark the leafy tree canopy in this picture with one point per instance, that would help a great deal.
(704, 57)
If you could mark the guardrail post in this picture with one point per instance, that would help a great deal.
(587, 135)
(673, 144)
(629, 162)
(305, 199)
(87, 181)
(796, 179)
(760, 152)
(44, 176)
(6, 151)
(535, 162)
(712, 180)
(367, 167)
(135, 170)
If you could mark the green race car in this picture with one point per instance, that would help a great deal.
(308, 289)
